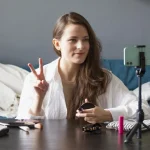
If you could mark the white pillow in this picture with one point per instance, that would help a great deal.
(145, 91)
(7, 97)
(9, 102)
(13, 77)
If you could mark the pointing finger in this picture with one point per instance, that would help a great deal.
(86, 100)
(41, 68)
(41, 65)
(85, 115)
(32, 69)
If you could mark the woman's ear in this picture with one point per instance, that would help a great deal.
(56, 44)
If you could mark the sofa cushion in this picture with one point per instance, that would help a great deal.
(12, 76)
(126, 74)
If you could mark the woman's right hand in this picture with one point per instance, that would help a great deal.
(41, 86)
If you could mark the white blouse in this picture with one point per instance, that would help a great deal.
(117, 98)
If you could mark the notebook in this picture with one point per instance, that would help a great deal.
(128, 124)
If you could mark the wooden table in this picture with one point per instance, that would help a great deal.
(68, 135)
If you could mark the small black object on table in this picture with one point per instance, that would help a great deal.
(91, 128)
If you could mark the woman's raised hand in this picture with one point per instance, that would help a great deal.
(41, 86)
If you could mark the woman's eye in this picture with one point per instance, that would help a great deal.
(72, 40)
(86, 40)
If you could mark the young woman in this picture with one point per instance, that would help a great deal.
(56, 90)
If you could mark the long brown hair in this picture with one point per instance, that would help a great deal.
(91, 80)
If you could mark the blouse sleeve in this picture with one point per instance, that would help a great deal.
(124, 102)
(26, 99)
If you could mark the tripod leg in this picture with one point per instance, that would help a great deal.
(147, 127)
(132, 132)
(139, 135)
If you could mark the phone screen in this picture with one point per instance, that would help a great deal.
(132, 55)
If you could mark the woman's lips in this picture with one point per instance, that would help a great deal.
(79, 53)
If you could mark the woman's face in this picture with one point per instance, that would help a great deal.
(74, 44)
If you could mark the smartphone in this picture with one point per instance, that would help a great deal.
(131, 55)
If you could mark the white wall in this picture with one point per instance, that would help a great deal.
(26, 26)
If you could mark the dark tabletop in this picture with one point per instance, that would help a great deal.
(68, 135)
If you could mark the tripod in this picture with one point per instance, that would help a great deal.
(140, 114)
